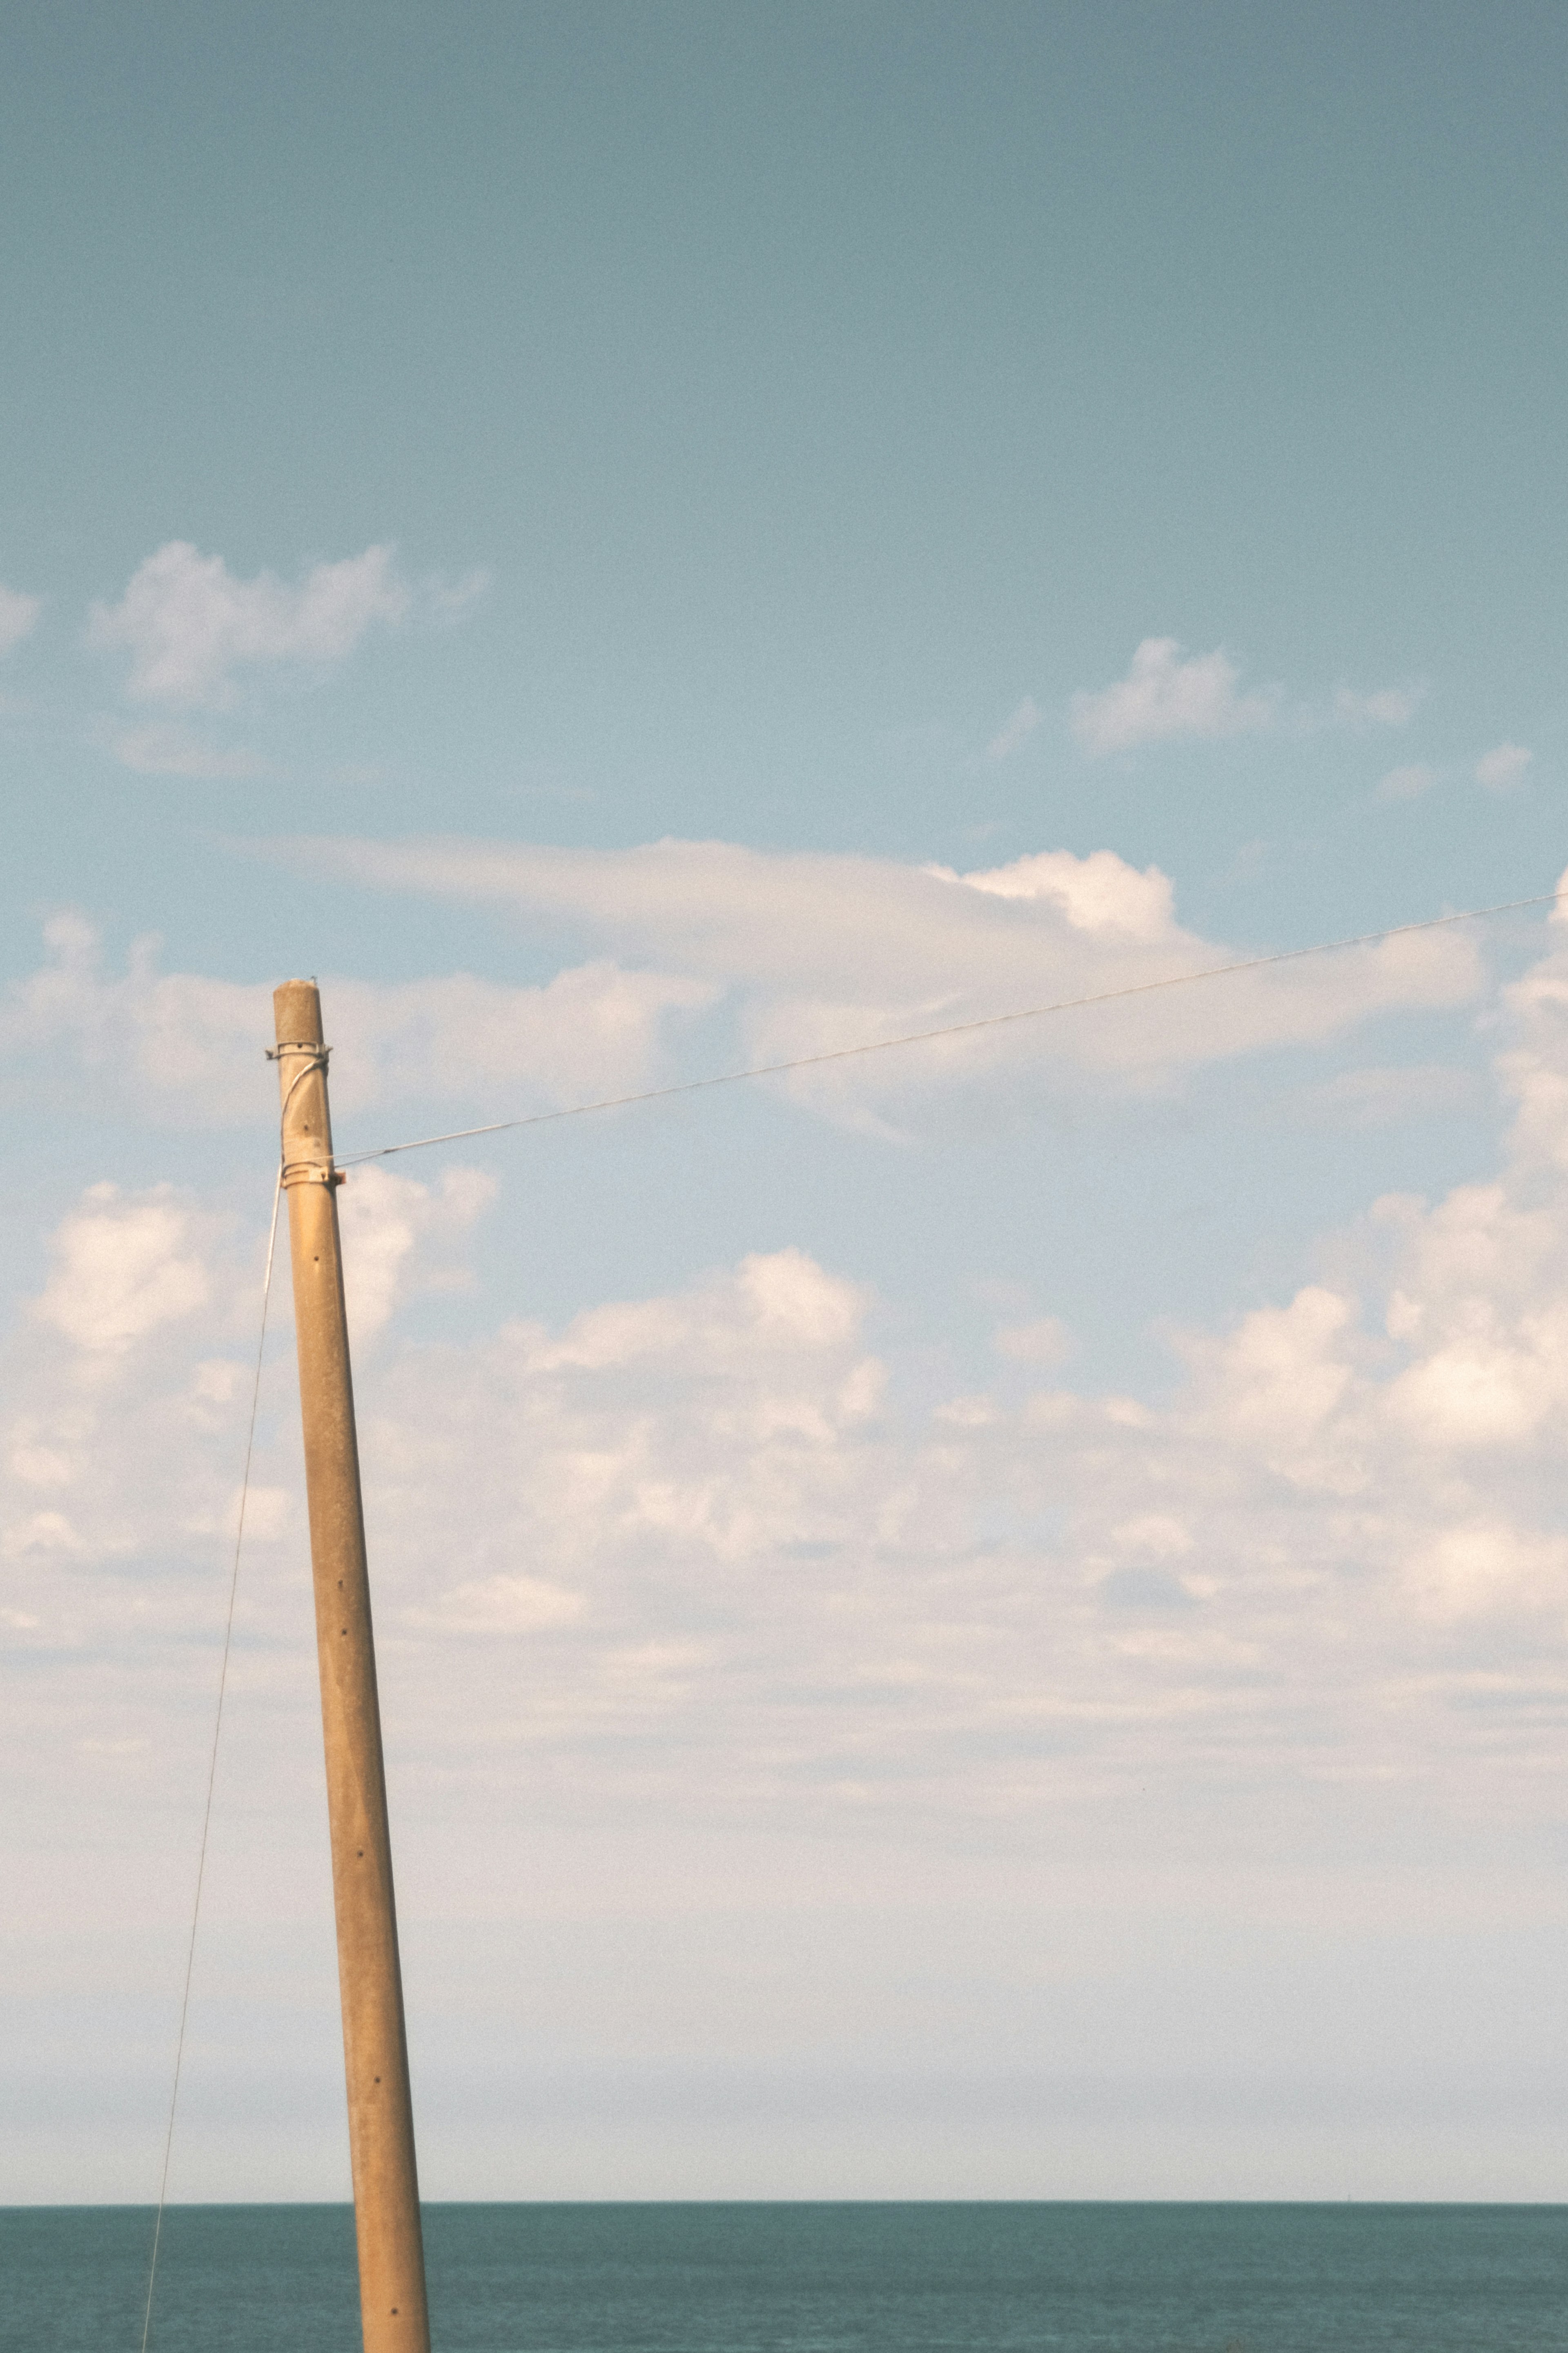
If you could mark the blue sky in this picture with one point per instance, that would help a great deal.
(633, 542)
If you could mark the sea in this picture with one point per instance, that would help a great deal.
(804, 2278)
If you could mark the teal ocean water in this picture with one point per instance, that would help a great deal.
(810, 2279)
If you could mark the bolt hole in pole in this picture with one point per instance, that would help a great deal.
(380, 2131)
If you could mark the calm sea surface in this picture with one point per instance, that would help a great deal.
(809, 2279)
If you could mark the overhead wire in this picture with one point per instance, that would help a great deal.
(950, 1030)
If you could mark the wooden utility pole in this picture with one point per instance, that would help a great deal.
(375, 2052)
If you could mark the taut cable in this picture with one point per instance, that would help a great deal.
(212, 1767)
(953, 1028)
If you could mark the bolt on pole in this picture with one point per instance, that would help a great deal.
(393, 2309)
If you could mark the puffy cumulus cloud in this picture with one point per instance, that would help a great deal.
(188, 625)
(125, 1390)
(703, 1542)
(1454, 1379)
(1333, 1553)
(743, 1562)
(19, 616)
(827, 953)
(386, 1218)
(121, 1393)
(1099, 893)
(647, 1450)
(1477, 1307)
(121, 1268)
(695, 1606)
(1278, 1385)
(1163, 698)
(188, 1049)
(167, 1039)
(1471, 1570)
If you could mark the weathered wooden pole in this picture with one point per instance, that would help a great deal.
(375, 2052)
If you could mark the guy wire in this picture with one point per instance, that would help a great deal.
(212, 1764)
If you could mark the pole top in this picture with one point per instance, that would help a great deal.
(297, 1012)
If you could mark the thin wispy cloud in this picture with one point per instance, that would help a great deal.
(809, 954)
(445, 602)
(1389, 1096)
(816, 952)
(1406, 783)
(1018, 730)
(165, 749)
(1386, 706)
(19, 616)
(1501, 769)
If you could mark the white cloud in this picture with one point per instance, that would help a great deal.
(1097, 894)
(1382, 1097)
(765, 1581)
(1163, 698)
(1500, 770)
(816, 952)
(389, 1224)
(826, 952)
(1406, 783)
(650, 1444)
(708, 1566)
(1018, 730)
(162, 750)
(122, 1268)
(1387, 706)
(189, 1050)
(19, 616)
(123, 1429)
(500, 1605)
(444, 601)
(1046, 1341)
(189, 625)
